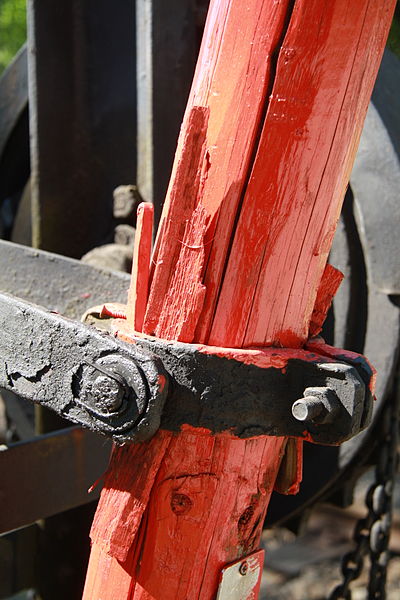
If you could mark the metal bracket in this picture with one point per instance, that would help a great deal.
(120, 389)
(241, 580)
(87, 377)
(261, 391)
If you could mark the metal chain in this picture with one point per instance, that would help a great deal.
(371, 534)
(380, 503)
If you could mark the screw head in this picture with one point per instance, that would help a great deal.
(114, 389)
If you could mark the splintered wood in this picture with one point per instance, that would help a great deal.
(263, 160)
(139, 287)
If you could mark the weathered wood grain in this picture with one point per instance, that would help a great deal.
(330, 282)
(185, 297)
(209, 496)
(231, 83)
(325, 73)
(260, 171)
(182, 194)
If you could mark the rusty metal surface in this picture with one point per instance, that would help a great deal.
(166, 55)
(49, 474)
(61, 284)
(375, 181)
(219, 393)
(73, 369)
(119, 389)
(82, 98)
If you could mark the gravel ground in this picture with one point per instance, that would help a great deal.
(307, 567)
(316, 581)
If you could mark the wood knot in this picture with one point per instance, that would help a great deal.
(181, 504)
(246, 517)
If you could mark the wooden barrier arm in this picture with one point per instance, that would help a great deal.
(264, 155)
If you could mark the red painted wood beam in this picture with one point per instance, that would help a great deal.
(325, 73)
(139, 287)
(263, 159)
(231, 86)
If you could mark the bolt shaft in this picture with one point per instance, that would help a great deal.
(308, 408)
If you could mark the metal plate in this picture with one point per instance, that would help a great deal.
(61, 284)
(49, 474)
(241, 580)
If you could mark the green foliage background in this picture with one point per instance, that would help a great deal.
(394, 35)
(12, 29)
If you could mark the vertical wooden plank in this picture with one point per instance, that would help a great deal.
(207, 502)
(81, 63)
(185, 298)
(239, 39)
(139, 286)
(291, 205)
(204, 513)
(144, 104)
(115, 531)
(183, 191)
(329, 285)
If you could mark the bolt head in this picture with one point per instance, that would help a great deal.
(107, 393)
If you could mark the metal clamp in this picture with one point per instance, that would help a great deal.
(278, 392)
(121, 390)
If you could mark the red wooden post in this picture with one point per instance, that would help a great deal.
(263, 160)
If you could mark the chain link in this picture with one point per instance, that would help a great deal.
(371, 534)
